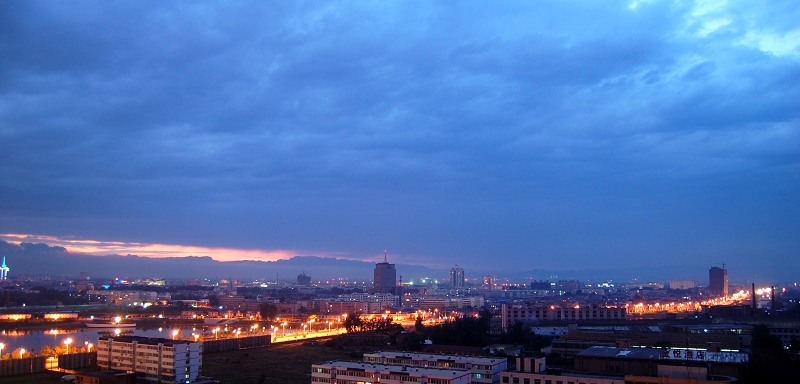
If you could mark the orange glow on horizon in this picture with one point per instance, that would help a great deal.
(104, 248)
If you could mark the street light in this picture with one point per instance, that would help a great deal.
(21, 352)
(1, 349)
(175, 334)
(67, 342)
(89, 347)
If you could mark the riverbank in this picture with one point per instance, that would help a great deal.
(43, 325)
(40, 325)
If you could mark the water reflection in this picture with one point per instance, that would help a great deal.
(35, 340)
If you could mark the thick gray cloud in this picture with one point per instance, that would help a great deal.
(547, 134)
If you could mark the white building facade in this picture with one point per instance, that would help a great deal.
(682, 284)
(154, 360)
(423, 301)
(127, 298)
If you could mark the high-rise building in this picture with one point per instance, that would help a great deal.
(718, 281)
(4, 270)
(302, 279)
(489, 282)
(457, 277)
(385, 277)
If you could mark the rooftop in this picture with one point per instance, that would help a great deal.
(665, 354)
(146, 340)
(432, 356)
(395, 369)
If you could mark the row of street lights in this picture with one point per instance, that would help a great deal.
(66, 343)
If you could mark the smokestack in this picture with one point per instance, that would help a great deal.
(753, 310)
(772, 309)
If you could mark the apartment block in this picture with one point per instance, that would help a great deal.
(154, 360)
(482, 369)
(351, 372)
(536, 313)
(441, 301)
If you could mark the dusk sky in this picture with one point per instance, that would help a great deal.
(500, 135)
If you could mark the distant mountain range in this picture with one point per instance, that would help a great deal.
(42, 259)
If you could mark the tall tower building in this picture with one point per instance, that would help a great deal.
(385, 278)
(457, 277)
(4, 270)
(718, 281)
(488, 282)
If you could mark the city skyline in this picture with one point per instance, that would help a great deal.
(43, 260)
(161, 251)
(636, 135)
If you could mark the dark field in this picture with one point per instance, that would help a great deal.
(39, 378)
(279, 363)
(285, 363)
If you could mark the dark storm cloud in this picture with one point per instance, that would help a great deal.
(646, 133)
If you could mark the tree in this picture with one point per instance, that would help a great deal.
(47, 351)
(268, 311)
(418, 326)
(467, 331)
(769, 362)
(794, 345)
(663, 344)
(353, 322)
(485, 316)
(411, 341)
(518, 333)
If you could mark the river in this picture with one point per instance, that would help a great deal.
(34, 340)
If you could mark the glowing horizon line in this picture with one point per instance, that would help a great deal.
(101, 248)
(153, 250)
